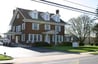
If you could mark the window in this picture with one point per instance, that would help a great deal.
(29, 37)
(53, 38)
(18, 28)
(35, 37)
(34, 14)
(23, 37)
(56, 17)
(58, 28)
(23, 26)
(47, 16)
(13, 28)
(35, 26)
(47, 27)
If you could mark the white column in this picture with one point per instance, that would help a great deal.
(33, 38)
(16, 39)
(55, 39)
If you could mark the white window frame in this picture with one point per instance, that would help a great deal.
(13, 28)
(23, 37)
(47, 27)
(57, 18)
(34, 14)
(23, 26)
(35, 26)
(57, 28)
(47, 16)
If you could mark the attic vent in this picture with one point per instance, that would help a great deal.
(34, 14)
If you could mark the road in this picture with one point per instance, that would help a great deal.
(82, 60)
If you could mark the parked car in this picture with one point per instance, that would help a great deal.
(6, 42)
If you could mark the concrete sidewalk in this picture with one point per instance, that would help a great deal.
(45, 58)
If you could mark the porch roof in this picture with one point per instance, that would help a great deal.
(12, 33)
(50, 32)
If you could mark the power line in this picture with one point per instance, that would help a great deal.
(64, 6)
(79, 4)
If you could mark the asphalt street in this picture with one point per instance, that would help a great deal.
(81, 60)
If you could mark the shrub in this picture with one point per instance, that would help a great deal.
(40, 44)
(81, 44)
(65, 44)
(91, 44)
(96, 44)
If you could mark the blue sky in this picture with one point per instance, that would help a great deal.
(7, 7)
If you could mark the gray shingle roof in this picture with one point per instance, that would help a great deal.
(25, 12)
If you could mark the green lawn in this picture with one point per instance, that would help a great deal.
(3, 57)
(78, 49)
(95, 53)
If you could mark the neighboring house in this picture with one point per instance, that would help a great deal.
(30, 26)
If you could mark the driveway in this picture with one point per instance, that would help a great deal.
(18, 52)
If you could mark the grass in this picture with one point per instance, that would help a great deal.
(80, 49)
(95, 53)
(4, 57)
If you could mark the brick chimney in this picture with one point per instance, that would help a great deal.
(57, 11)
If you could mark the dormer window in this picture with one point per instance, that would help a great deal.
(46, 16)
(34, 14)
(56, 17)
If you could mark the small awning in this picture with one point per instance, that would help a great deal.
(12, 33)
(50, 32)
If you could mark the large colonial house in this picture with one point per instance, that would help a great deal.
(30, 26)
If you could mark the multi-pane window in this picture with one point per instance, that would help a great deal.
(34, 14)
(35, 37)
(56, 17)
(58, 28)
(23, 26)
(35, 26)
(47, 27)
(18, 28)
(23, 37)
(47, 16)
(13, 28)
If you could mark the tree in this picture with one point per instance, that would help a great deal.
(80, 27)
(95, 29)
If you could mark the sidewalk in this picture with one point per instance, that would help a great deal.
(45, 58)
